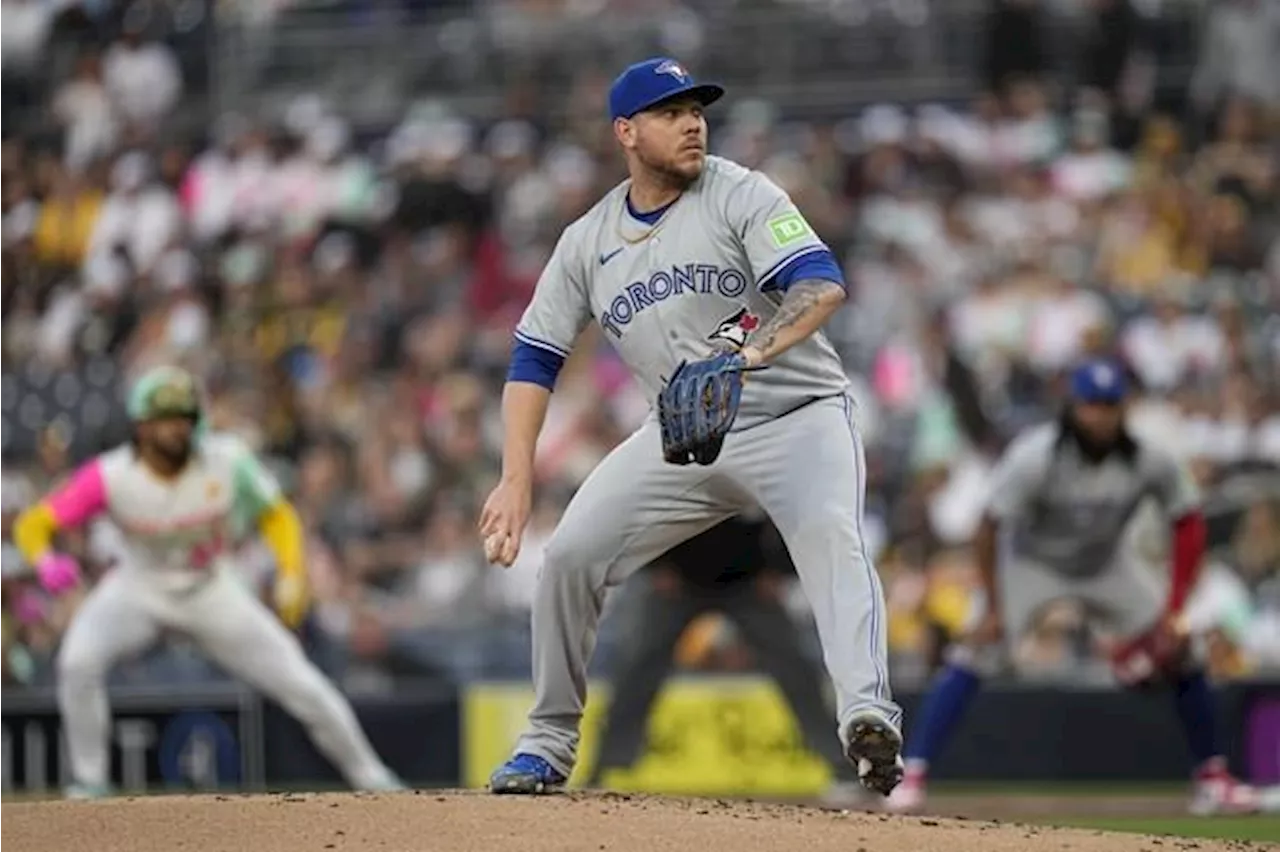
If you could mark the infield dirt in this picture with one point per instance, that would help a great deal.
(466, 821)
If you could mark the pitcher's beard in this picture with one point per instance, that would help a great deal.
(669, 176)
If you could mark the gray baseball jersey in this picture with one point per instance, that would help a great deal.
(696, 279)
(1071, 515)
(664, 292)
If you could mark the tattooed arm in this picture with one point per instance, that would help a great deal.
(807, 305)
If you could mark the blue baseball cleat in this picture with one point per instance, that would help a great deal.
(527, 774)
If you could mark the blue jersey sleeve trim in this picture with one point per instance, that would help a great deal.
(812, 262)
(525, 337)
(534, 364)
(768, 277)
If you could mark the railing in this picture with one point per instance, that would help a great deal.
(806, 56)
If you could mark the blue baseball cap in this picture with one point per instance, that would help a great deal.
(653, 81)
(1098, 380)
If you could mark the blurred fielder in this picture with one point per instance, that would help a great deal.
(175, 495)
(698, 270)
(1061, 500)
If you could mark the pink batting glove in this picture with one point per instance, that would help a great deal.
(58, 573)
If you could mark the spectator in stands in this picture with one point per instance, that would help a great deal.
(66, 221)
(1238, 56)
(348, 290)
(24, 29)
(1092, 169)
(140, 215)
(142, 77)
(88, 118)
(1173, 344)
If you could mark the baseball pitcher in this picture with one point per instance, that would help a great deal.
(712, 287)
(175, 495)
(1061, 501)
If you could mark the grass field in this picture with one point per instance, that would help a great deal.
(1157, 808)
(1264, 828)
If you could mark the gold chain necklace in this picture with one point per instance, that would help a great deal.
(653, 229)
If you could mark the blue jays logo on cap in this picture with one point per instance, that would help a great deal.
(649, 83)
(1098, 380)
(670, 66)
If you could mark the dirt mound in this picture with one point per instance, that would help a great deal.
(477, 822)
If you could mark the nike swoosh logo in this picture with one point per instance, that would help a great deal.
(605, 258)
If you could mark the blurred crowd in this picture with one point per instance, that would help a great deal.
(348, 295)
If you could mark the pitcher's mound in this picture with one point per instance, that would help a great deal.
(477, 822)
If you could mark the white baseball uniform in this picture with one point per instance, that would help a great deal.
(174, 574)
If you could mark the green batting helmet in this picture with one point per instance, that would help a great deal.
(164, 392)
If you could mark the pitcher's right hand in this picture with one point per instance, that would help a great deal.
(503, 519)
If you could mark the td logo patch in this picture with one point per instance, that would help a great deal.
(735, 329)
(788, 228)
